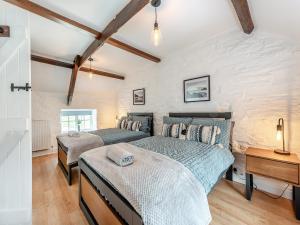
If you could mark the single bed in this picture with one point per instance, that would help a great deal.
(102, 203)
(107, 136)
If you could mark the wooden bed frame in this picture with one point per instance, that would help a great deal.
(103, 205)
(62, 150)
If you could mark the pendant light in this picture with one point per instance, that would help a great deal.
(156, 33)
(91, 73)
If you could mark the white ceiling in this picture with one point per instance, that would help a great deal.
(181, 22)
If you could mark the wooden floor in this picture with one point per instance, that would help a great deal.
(56, 203)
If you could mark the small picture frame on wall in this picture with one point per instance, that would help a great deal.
(197, 89)
(139, 96)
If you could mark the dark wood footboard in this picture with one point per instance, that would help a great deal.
(101, 203)
(62, 162)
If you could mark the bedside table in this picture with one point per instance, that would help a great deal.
(269, 164)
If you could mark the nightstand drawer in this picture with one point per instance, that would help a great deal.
(275, 169)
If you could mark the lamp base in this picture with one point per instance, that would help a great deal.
(281, 152)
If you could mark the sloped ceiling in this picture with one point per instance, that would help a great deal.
(181, 22)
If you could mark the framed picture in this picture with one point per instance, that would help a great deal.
(197, 89)
(139, 96)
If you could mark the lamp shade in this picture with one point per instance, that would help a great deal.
(279, 133)
(280, 137)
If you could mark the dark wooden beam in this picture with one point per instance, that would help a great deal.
(132, 8)
(58, 18)
(242, 10)
(131, 49)
(73, 79)
(70, 66)
(4, 31)
(51, 61)
(101, 73)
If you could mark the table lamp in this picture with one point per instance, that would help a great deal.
(280, 136)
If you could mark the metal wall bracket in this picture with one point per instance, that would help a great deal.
(25, 88)
(4, 31)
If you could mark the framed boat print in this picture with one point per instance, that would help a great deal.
(197, 89)
(139, 96)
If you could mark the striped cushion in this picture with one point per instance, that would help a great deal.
(119, 123)
(174, 131)
(136, 125)
(204, 134)
(123, 124)
(182, 131)
(171, 130)
(166, 130)
(129, 125)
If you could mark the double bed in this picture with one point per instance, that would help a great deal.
(107, 200)
(98, 138)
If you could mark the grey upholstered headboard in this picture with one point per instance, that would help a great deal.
(211, 115)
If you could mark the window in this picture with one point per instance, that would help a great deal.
(78, 120)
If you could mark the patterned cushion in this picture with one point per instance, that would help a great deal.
(175, 130)
(136, 125)
(201, 133)
(145, 122)
(223, 136)
(129, 125)
(182, 131)
(123, 124)
(176, 120)
(166, 130)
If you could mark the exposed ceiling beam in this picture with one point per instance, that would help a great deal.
(132, 8)
(242, 10)
(73, 79)
(58, 18)
(101, 73)
(4, 31)
(54, 62)
(133, 50)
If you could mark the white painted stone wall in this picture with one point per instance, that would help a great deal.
(257, 77)
(47, 106)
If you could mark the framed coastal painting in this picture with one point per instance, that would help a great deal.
(197, 89)
(139, 96)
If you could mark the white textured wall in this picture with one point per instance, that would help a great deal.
(256, 77)
(47, 106)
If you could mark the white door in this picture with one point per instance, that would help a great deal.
(15, 117)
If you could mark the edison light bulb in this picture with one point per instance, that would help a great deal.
(279, 135)
(90, 75)
(156, 35)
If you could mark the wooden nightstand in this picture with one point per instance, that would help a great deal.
(269, 164)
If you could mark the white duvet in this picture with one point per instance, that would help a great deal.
(161, 190)
(79, 144)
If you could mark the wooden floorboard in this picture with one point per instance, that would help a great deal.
(56, 203)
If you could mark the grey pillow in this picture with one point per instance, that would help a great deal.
(177, 120)
(145, 120)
